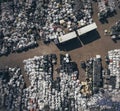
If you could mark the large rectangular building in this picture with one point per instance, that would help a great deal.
(87, 29)
(78, 32)
(67, 37)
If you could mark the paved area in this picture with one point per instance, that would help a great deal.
(92, 45)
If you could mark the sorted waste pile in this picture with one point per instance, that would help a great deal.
(11, 89)
(106, 8)
(22, 24)
(93, 69)
(112, 82)
(118, 3)
(60, 94)
(115, 30)
(66, 92)
(63, 18)
(114, 66)
(18, 29)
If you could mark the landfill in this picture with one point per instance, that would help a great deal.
(114, 65)
(118, 3)
(11, 89)
(109, 90)
(17, 28)
(22, 23)
(61, 94)
(93, 69)
(106, 9)
(66, 92)
(111, 80)
(115, 31)
(64, 19)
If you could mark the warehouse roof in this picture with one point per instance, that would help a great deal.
(67, 37)
(86, 29)
(80, 32)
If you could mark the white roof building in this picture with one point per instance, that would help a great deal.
(80, 32)
(87, 29)
(67, 37)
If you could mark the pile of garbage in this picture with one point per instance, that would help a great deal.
(93, 69)
(106, 9)
(115, 31)
(63, 18)
(17, 30)
(63, 93)
(66, 92)
(107, 96)
(39, 71)
(104, 102)
(6, 10)
(22, 24)
(114, 65)
(118, 3)
(11, 90)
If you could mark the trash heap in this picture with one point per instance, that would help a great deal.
(63, 93)
(25, 23)
(115, 30)
(63, 18)
(18, 33)
(39, 71)
(118, 3)
(11, 89)
(114, 66)
(106, 89)
(111, 82)
(106, 8)
(66, 92)
(7, 11)
(93, 69)
(92, 102)
(104, 102)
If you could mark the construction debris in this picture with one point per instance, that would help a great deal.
(106, 9)
(66, 92)
(23, 23)
(115, 31)
(11, 89)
